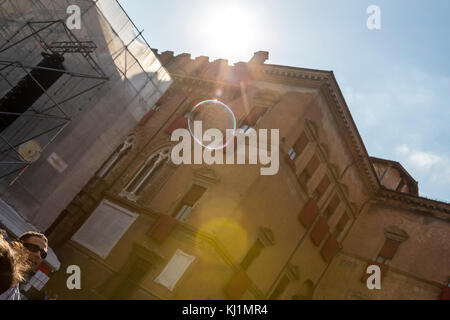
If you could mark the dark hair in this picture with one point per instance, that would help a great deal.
(29, 234)
(13, 263)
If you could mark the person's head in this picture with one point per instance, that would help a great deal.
(13, 263)
(37, 245)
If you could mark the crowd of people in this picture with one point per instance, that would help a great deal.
(19, 260)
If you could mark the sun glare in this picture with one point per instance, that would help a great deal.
(230, 31)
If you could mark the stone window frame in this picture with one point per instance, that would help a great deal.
(396, 237)
(116, 157)
(290, 274)
(264, 239)
(140, 180)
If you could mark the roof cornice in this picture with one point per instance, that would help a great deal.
(438, 209)
(327, 84)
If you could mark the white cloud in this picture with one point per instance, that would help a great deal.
(424, 160)
(403, 116)
(402, 150)
(426, 167)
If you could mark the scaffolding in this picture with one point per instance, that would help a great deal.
(100, 80)
(31, 131)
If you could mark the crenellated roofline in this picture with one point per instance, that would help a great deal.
(322, 80)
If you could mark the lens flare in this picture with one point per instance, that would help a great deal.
(213, 114)
(229, 232)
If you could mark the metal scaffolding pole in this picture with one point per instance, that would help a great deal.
(43, 123)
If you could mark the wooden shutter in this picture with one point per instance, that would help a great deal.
(290, 162)
(162, 227)
(238, 285)
(193, 195)
(445, 294)
(389, 248)
(301, 144)
(330, 248)
(323, 185)
(312, 165)
(254, 115)
(252, 254)
(320, 230)
(309, 213)
(178, 123)
(281, 287)
(44, 269)
(343, 221)
(334, 203)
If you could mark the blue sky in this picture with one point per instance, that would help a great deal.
(396, 80)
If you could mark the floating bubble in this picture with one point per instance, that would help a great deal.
(213, 114)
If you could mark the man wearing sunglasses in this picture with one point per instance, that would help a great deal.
(37, 246)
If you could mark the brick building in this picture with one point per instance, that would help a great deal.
(144, 228)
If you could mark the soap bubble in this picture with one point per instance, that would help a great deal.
(213, 114)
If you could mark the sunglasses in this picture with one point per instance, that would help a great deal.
(35, 248)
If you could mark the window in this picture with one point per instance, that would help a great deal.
(304, 176)
(254, 115)
(309, 170)
(188, 202)
(175, 269)
(281, 287)
(117, 156)
(383, 260)
(300, 145)
(321, 188)
(292, 154)
(388, 251)
(183, 212)
(332, 206)
(252, 118)
(238, 285)
(147, 174)
(104, 228)
(246, 128)
(320, 231)
(341, 224)
(309, 213)
(252, 254)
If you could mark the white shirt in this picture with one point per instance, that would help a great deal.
(11, 294)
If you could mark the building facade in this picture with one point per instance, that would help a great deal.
(145, 228)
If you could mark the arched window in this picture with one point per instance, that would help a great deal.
(147, 174)
(117, 156)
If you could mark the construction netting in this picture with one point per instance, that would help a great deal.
(82, 106)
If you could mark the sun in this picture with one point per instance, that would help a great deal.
(229, 30)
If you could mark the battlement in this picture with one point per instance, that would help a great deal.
(203, 67)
